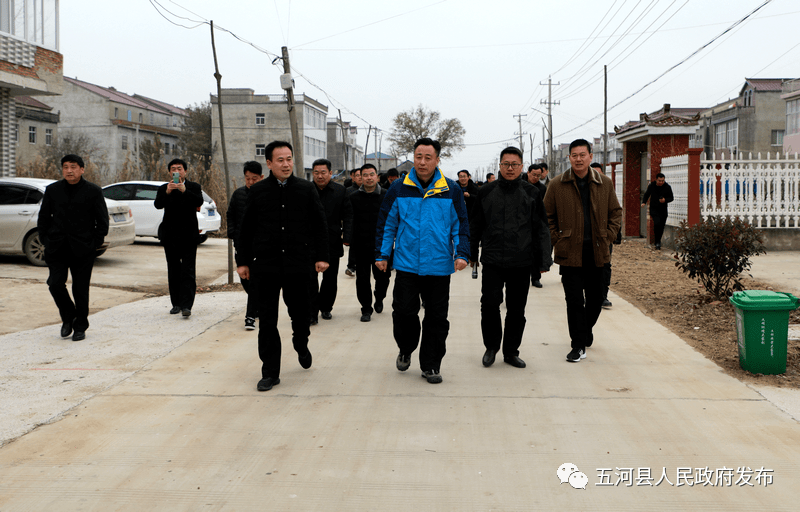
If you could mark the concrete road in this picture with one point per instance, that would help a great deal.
(189, 431)
(26, 302)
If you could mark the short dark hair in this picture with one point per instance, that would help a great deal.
(511, 150)
(275, 144)
(660, 175)
(543, 166)
(579, 143)
(75, 159)
(253, 167)
(392, 172)
(466, 171)
(369, 166)
(178, 161)
(352, 172)
(427, 141)
(534, 166)
(596, 165)
(489, 174)
(322, 161)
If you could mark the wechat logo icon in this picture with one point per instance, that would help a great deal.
(569, 472)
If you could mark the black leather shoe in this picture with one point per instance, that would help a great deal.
(266, 384)
(79, 335)
(378, 306)
(305, 360)
(366, 317)
(536, 284)
(488, 358)
(313, 321)
(186, 312)
(326, 315)
(515, 361)
(66, 329)
(175, 310)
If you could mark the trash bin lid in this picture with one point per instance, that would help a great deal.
(764, 299)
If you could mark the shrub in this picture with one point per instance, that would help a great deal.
(716, 252)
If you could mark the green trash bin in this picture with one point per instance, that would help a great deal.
(762, 327)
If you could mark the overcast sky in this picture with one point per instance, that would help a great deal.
(480, 61)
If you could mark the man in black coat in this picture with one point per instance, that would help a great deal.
(179, 234)
(253, 173)
(660, 195)
(534, 177)
(509, 224)
(352, 185)
(366, 205)
(283, 235)
(339, 217)
(469, 188)
(73, 221)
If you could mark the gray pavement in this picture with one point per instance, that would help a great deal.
(183, 428)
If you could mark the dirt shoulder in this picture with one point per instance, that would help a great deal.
(649, 280)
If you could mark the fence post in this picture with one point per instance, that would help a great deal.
(693, 189)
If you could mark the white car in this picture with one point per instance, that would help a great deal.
(140, 196)
(20, 200)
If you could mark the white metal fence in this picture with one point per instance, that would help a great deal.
(763, 191)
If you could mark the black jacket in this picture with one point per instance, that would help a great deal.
(283, 228)
(654, 193)
(338, 215)
(236, 212)
(510, 223)
(472, 190)
(179, 225)
(72, 217)
(366, 207)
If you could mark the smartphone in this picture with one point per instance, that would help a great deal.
(176, 177)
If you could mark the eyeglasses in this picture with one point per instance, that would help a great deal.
(510, 165)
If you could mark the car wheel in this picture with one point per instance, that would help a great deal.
(34, 250)
(202, 239)
(99, 253)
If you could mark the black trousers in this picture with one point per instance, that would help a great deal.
(363, 284)
(324, 295)
(435, 292)
(583, 291)
(80, 266)
(252, 298)
(607, 273)
(659, 221)
(295, 296)
(515, 282)
(181, 260)
(536, 275)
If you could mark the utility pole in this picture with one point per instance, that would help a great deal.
(550, 104)
(519, 118)
(218, 77)
(605, 117)
(288, 86)
(377, 158)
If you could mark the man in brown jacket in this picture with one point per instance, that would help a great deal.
(581, 242)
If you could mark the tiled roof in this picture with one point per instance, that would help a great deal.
(114, 95)
(164, 106)
(766, 84)
(32, 102)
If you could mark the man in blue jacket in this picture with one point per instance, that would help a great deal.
(423, 219)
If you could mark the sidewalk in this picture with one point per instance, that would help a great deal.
(189, 431)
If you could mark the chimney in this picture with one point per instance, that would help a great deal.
(666, 108)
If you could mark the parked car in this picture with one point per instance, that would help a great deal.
(140, 196)
(20, 200)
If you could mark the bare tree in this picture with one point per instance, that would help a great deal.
(48, 163)
(195, 138)
(412, 125)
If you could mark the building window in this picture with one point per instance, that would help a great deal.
(152, 118)
(116, 112)
(130, 116)
(261, 119)
(141, 117)
(32, 134)
(166, 148)
(793, 117)
(261, 149)
(124, 142)
(48, 137)
(777, 138)
(726, 135)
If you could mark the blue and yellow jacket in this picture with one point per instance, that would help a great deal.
(428, 228)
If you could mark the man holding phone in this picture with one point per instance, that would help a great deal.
(179, 233)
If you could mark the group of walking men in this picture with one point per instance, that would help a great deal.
(287, 230)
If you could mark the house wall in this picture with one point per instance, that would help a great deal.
(632, 190)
